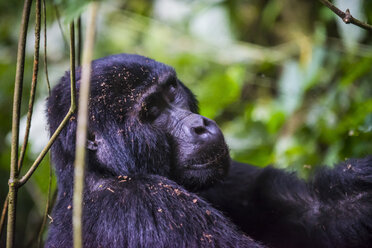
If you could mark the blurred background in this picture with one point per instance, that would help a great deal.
(287, 81)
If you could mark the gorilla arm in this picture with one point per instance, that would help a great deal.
(333, 209)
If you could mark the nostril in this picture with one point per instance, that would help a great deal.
(200, 130)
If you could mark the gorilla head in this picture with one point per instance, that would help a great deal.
(143, 120)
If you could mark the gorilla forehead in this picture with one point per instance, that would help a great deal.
(120, 81)
(127, 76)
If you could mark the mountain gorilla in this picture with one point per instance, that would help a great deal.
(149, 152)
(148, 149)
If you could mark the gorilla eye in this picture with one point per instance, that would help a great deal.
(154, 111)
(150, 113)
(172, 90)
(152, 108)
(173, 84)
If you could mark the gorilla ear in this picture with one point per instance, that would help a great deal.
(91, 142)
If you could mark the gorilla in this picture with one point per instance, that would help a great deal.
(148, 151)
(159, 175)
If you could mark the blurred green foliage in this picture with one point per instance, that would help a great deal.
(288, 82)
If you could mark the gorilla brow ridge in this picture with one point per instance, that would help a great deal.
(141, 98)
(163, 80)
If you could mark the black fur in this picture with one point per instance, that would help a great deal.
(333, 209)
(133, 194)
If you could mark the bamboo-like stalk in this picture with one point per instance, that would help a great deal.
(58, 16)
(35, 72)
(82, 126)
(18, 85)
(79, 40)
(71, 111)
(72, 58)
(45, 48)
(3, 214)
(42, 154)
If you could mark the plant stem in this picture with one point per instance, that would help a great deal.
(42, 154)
(18, 84)
(60, 24)
(33, 84)
(72, 59)
(79, 39)
(346, 16)
(3, 214)
(82, 126)
(45, 48)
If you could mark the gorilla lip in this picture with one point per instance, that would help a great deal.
(214, 162)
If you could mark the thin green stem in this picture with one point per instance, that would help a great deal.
(64, 122)
(18, 84)
(45, 48)
(72, 59)
(82, 127)
(79, 39)
(42, 154)
(60, 24)
(33, 84)
(3, 214)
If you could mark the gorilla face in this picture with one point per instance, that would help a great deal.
(199, 154)
(143, 120)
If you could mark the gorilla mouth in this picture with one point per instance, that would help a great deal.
(210, 162)
(204, 171)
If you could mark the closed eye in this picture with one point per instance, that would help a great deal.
(171, 90)
(152, 107)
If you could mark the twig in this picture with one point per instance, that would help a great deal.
(72, 59)
(82, 126)
(33, 84)
(79, 39)
(15, 123)
(45, 48)
(60, 24)
(42, 154)
(346, 16)
(3, 214)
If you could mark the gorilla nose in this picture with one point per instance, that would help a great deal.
(202, 128)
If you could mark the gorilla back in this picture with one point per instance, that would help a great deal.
(148, 149)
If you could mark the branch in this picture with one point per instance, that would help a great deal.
(60, 24)
(82, 126)
(72, 60)
(346, 16)
(79, 39)
(45, 48)
(3, 214)
(33, 85)
(42, 154)
(18, 84)
(64, 122)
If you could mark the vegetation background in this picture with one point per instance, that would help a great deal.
(287, 81)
